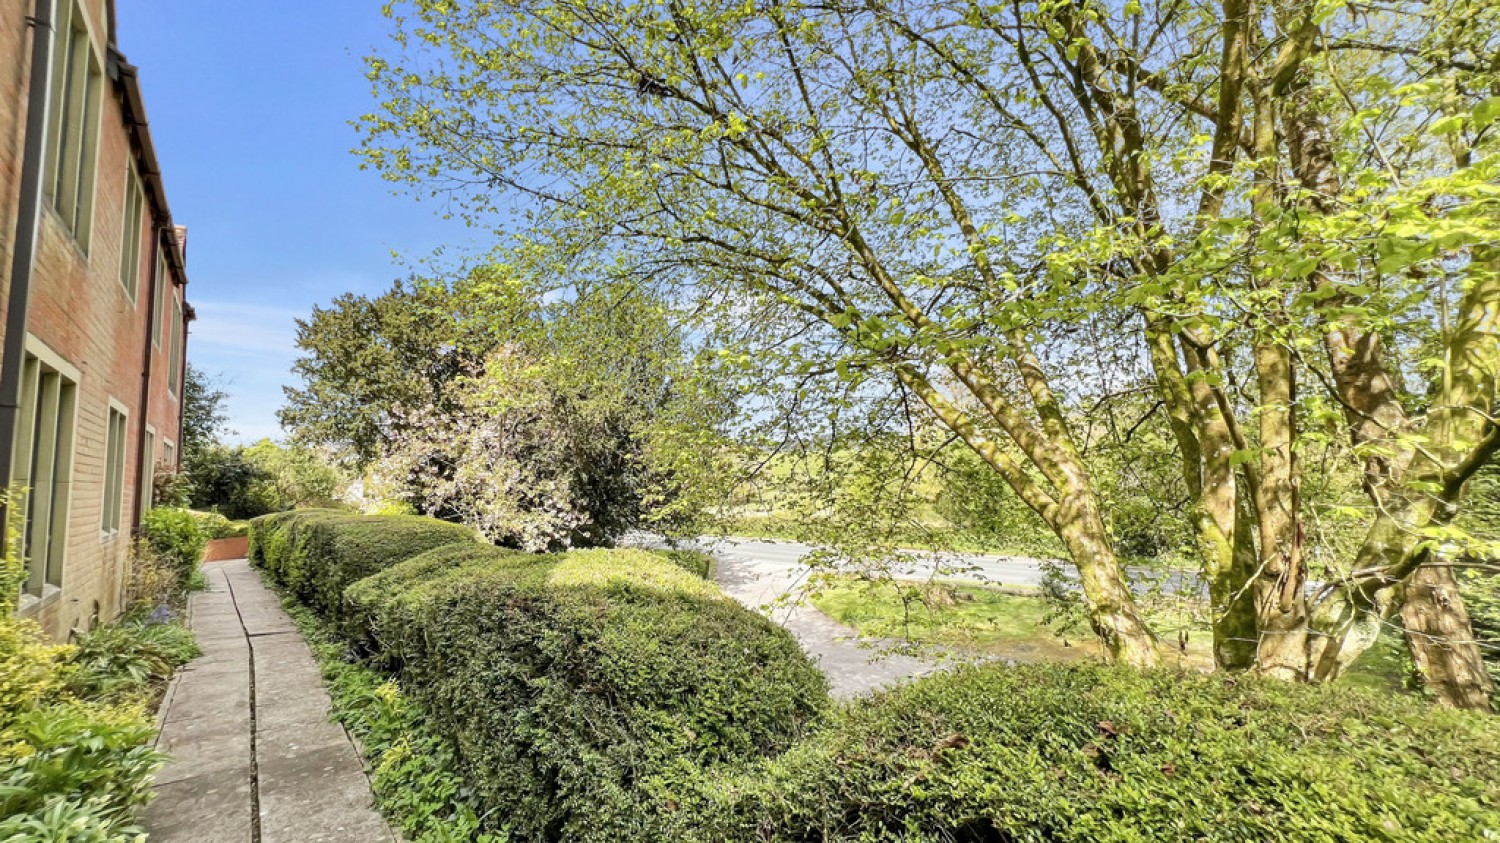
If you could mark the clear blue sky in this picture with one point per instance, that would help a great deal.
(250, 106)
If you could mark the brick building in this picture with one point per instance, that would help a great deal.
(92, 305)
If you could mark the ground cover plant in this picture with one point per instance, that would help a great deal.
(75, 719)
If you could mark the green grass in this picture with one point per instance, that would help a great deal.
(936, 536)
(1383, 667)
(1003, 623)
(1010, 623)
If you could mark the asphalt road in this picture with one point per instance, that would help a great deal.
(785, 559)
(768, 576)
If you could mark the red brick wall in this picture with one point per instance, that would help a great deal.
(81, 311)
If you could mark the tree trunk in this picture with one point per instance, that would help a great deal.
(1280, 605)
(1442, 641)
(1112, 609)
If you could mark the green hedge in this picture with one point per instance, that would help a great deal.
(583, 689)
(696, 562)
(1080, 753)
(317, 554)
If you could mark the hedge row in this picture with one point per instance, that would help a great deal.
(612, 695)
(317, 553)
(581, 689)
(1090, 753)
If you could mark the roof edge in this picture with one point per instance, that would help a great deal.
(127, 79)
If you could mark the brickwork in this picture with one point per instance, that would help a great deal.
(80, 310)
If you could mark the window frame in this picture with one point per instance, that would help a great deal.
(174, 353)
(159, 296)
(132, 238)
(116, 447)
(43, 370)
(77, 98)
(147, 494)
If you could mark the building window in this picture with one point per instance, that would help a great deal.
(148, 471)
(169, 454)
(44, 463)
(130, 247)
(72, 154)
(158, 300)
(174, 359)
(114, 470)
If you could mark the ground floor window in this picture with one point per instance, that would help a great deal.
(44, 462)
(115, 431)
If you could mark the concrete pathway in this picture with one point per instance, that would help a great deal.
(852, 668)
(255, 758)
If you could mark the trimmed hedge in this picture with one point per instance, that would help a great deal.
(317, 554)
(583, 689)
(695, 562)
(615, 695)
(1084, 753)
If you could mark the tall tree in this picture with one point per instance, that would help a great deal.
(204, 419)
(363, 355)
(943, 196)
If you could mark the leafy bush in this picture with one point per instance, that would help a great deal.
(216, 526)
(176, 535)
(75, 741)
(695, 562)
(170, 487)
(90, 763)
(129, 656)
(72, 770)
(414, 771)
(226, 480)
(1098, 754)
(578, 688)
(246, 482)
(319, 553)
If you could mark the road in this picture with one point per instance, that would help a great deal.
(767, 576)
(784, 560)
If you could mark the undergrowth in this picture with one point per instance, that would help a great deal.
(413, 770)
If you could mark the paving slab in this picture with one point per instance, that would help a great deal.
(255, 757)
(206, 807)
(317, 796)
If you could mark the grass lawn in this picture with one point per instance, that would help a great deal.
(1008, 624)
(985, 619)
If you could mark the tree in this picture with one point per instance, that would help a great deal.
(245, 482)
(362, 356)
(1258, 208)
(204, 419)
(542, 426)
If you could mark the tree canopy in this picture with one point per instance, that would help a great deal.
(1279, 220)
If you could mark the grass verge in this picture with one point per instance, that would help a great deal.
(1011, 625)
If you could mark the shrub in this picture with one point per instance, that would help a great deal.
(75, 741)
(97, 758)
(695, 562)
(130, 656)
(155, 580)
(271, 535)
(319, 553)
(216, 526)
(1086, 753)
(579, 689)
(414, 771)
(176, 535)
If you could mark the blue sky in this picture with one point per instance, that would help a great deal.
(250, 106)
